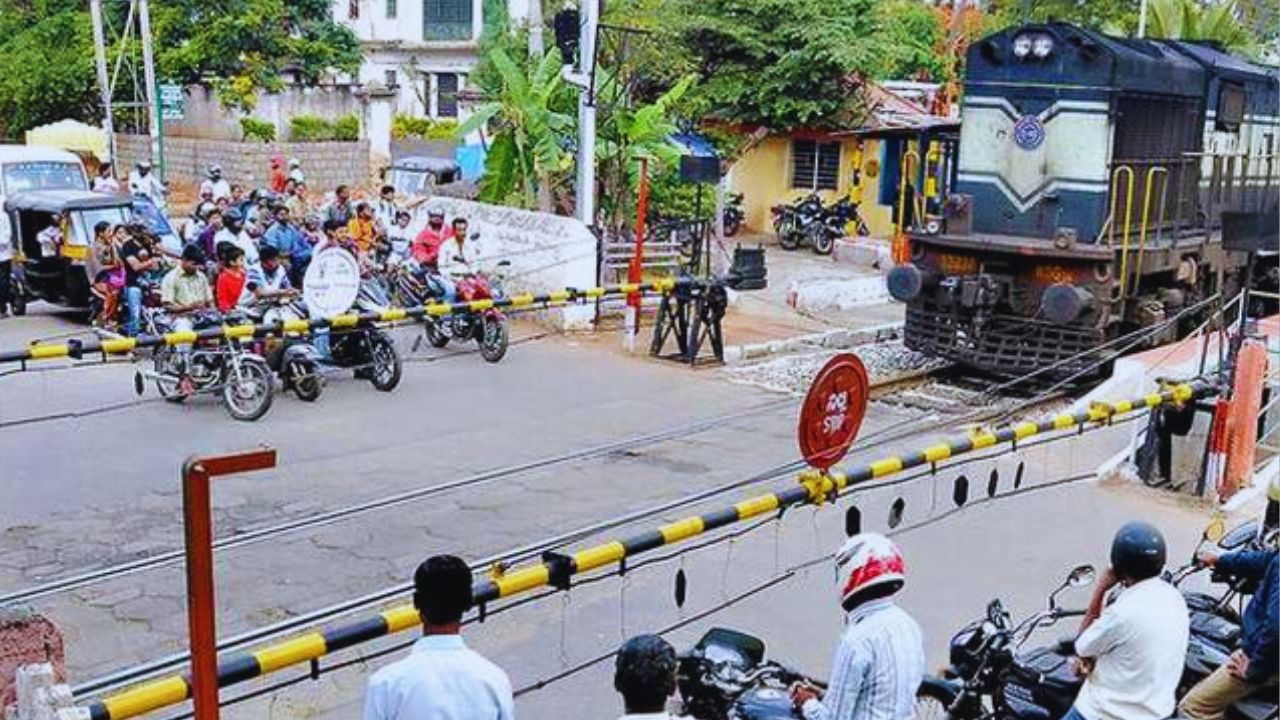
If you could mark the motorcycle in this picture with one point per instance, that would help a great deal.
(225, 366)
(988, 676)
(368, 350)
(487, 327)
(725, 677)
(795, 223)
(734, 215)
(293, 358)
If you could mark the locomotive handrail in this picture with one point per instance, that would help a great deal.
(899, 245)
(1152, 172)
(1128, 220)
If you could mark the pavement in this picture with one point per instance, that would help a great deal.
(92, 481)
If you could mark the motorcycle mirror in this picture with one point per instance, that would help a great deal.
(138, 386)
(1082, 576)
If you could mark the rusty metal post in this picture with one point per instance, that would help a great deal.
(198, 525)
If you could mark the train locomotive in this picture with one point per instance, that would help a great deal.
(1085, 198)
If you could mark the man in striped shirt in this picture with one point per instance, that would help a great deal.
(879, 662)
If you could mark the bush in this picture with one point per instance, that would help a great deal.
(346, 128)
(260, 130)
(407, 126)
(309, 128)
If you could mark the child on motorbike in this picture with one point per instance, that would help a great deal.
(231, 278)
(108, 274)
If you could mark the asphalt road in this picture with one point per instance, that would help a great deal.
(87, 487)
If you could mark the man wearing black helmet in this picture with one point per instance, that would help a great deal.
(1132, 650)
(645, 675)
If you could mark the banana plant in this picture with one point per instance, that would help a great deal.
(527, 149)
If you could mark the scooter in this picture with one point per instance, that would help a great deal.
(725, 676)
(293, 358)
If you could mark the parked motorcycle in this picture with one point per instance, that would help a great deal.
(734, 215)
(487, 327)
(224, 366)
(726, 677)
(792, 222)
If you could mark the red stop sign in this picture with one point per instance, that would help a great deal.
(833, 410)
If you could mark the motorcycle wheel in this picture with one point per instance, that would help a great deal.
(386, 367)
(166, 384)
(789, 238)
(435, 334)
(494, 339)
(304, 377)
(249, 398)
(823, 242)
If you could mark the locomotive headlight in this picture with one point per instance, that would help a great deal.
(1041, 46)
(1022, 45)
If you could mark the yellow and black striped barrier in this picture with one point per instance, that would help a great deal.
(557, 570)
(76, 349)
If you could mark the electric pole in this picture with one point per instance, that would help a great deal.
(149, 72)
(104, 85)
(586, 190)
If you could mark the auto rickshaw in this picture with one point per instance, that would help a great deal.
(55, 270)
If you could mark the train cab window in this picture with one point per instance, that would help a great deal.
(1230, 107)
(815, 165)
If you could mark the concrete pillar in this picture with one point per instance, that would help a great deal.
(26, 638)
(379, 109)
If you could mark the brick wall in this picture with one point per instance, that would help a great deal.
(326, 164)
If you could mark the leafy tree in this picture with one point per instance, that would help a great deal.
(527, 152)
(780, 63)
(912, 36)
(241, 46)
(1190, 20)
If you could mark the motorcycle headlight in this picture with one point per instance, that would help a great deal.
(1022, 45)
(1041, 46)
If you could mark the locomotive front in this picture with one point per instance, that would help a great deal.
(1026, 272)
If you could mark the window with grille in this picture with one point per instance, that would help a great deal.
(815, 165)
(391, 9)
(446, 20)
(1230, 107)
(447, 95)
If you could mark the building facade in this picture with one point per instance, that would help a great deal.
(421, 50)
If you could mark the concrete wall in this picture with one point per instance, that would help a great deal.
(207, 119)
(326, 164)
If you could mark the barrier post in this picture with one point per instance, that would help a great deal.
(201, 610)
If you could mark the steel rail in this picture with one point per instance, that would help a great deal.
(557, 570)
(76, 349)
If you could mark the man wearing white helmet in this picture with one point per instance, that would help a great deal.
(142, 181)
(879, 663)
(215, 184)
(295, 171)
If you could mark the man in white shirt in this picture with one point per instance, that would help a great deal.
(215, 186)
(441, 678)
(295, 171)
(1133, 650)
(644, 673)
(142, 181)
(6, 263)
(384, 211)
(879, 662)
(105, 182)
(459, 255)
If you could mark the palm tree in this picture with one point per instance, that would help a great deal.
(527, 149)
(1191, 20)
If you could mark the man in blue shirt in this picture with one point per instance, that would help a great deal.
(291, 242)
(1254, 663)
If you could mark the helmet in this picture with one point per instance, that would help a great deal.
(866, 561)
(1137, 551)
(295, 162)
